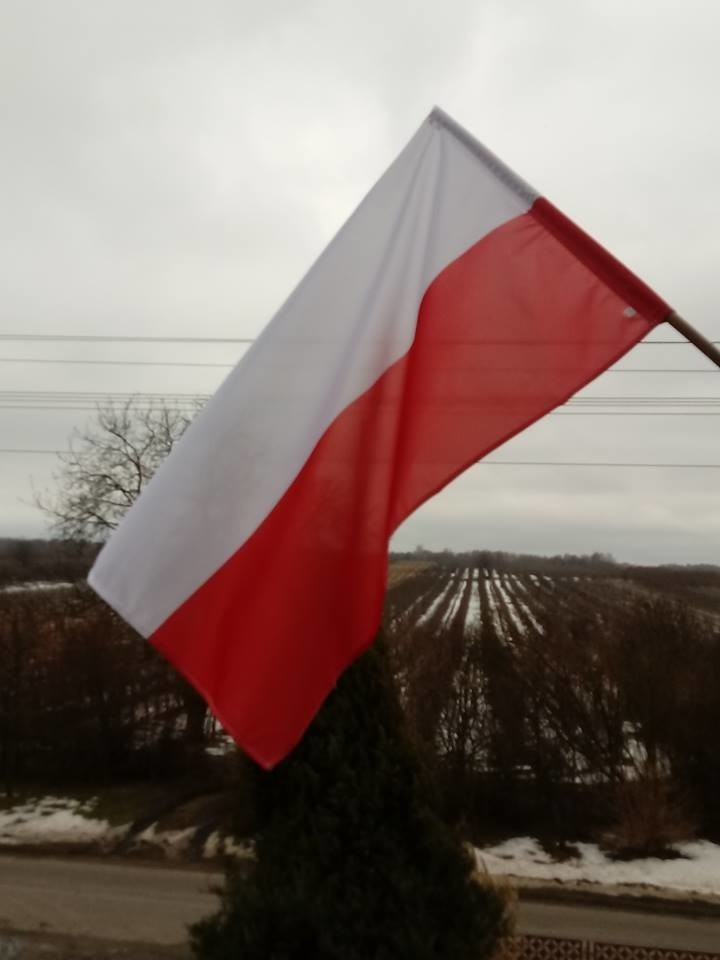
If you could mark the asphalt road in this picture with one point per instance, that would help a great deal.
(628, 927)
(153, 904)
(113, 901)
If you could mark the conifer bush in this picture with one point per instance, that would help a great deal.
(352, 862)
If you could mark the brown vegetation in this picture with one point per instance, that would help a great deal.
(561, 702)
(573, 706)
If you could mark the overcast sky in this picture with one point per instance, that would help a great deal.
(173, 167)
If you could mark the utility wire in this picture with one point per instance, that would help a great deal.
(553, 413)
(196, 395)
(594, 463)
(97, 338)
(632, 413)
(131, 363)
(228, 366)
(104, 338)
(619, 405)
(481, 463)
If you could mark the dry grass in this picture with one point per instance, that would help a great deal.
(509, 898)
(402, 569)
(650, 819)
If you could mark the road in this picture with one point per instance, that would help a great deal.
(129, 902)
(628, 927)
(114, 901)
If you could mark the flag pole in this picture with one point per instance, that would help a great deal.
(695, 337)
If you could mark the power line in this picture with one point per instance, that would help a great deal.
(481, 463)
(107, 338)
(98, 338)
(108, 394)
(227, 366)
(192, 408)
(594, 463)
(93, 409)
(660, 370)
(643, 397)
(129, 363)
(155, 395)
(643, 411)
(187, 404)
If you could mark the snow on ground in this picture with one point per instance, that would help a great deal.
(520, 589)
(410, 611)
(535, 622)
(173, 843)
(492, 603)
(65, 820)
(505, 593)
(473, 614)
(436, 603)
(696, 871)
(51, 820)
(35, 586)
(176, 844)
(222, 745)
(454, 603)
(218, 845)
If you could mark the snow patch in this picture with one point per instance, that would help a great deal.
(452, 608)
(494, 615)
(218, 845)
(173, 843)
(51, 820)
(473, 616)
(36, 585)
(506, 595)
(696, 871)
(436, 603)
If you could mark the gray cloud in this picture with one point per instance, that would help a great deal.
(174, 168)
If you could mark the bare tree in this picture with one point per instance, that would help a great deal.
(108, 464)
(102, 474)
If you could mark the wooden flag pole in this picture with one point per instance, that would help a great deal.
(695, 337)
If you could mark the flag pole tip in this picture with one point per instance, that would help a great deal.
(438, 115)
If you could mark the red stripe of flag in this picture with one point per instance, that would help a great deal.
(509, 330)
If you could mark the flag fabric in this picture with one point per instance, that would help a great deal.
(454, 308)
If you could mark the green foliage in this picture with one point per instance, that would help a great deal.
(352, 863)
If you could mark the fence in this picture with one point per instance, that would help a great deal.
(552, 948)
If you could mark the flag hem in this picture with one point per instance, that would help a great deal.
(607, 268)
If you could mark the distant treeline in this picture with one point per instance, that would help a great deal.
(25, 560)
(38, 559)
(560, 563)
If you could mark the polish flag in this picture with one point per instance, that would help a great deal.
(454, 308)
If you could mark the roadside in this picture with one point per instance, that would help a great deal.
(686, 878)
(121, 902)
(43, 946)
(81, 908)
(185, 828)
(639, 899)
(149, 821)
